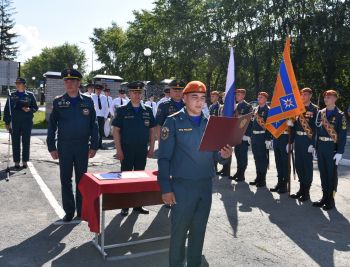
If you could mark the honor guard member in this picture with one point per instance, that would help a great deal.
(121, 100)
(73, 118)
(331, 140)
(133, 132)
(215, 105)
(172, 105)
(102, 111)
(241, 151)
(185, 176)
(261, 140)
(107, 92)
(23, 106)
(303, 136)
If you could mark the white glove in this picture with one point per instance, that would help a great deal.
(291, 147)
(268, 144)
(337, 157)
(246, 138)
(290, 123)
(311, 149)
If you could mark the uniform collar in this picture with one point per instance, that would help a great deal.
(183, 113)
(129, 105)
(80, 96)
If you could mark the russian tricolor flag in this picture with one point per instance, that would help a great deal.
(229, 103)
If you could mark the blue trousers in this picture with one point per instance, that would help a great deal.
(260, 153)
(303, 160)
(22, 129)
(189, 215)
(71, 155)
(241, 153)
(328, 169)
(281, 157)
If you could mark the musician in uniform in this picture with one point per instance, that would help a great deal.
(331, 139)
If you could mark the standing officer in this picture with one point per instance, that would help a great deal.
(107, 92)
(23, 106)
(133, 131)
(165, 97)
(73, 117)
(303, 135)
(331, 140)
(102, 111)
(261, 140)
(215, 105)
(241, 151)
(121, 100)
(185, 176)
(172, 105)
(89, 89)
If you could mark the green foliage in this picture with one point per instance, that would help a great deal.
(8, 48)
(190, 38)
(54, 59)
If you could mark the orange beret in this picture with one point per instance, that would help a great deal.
(241, 90)
(195, 87)
(331, 92)
(306, 90)
(263, 94)
(214, 93)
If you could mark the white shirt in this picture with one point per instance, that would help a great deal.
(104, 111)
(88, 94)
(119, 101)
(153, 106)
(110, 105)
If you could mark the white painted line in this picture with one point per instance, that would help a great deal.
(47, 192)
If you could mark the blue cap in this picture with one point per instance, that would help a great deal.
(21, 80)
(135, 86)
(71, 74)
(177, 84)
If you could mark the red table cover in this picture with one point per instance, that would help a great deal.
(91, 188)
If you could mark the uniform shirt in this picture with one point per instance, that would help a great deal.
(179, 155)
(104, 111)
(19, 100)
(262, 112)
(110, 105)
(73, 123)
(153, 106)
(167, 108)
(243, 108)
(214, 109)
(336, 118)
(310, 116)
(134, 126)
(162, 100)
(88, 94)
(118, 102)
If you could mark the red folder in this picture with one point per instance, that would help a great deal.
(221, 131)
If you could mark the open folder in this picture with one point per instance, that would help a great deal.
(221, 131)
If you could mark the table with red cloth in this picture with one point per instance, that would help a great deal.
(101, 195)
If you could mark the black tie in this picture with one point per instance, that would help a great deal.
(107, 102)
(99, 102)
(121, 101)
(151, 105)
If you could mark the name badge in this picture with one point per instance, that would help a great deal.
(185, 129)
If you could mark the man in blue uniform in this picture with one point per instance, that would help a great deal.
(261, 140)
(241, 151)
(134, 134)
(172, 105)
(303, 136)
(23, 107)
(185, 176)
(215, 105)
(331, 140)
(73, 117)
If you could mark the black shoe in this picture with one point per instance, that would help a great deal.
(282, 190)
(220, 172)
(305, 194)
(67, 218)
(17, 166)
(296, 195)
(275, 189)
(329, 204)
(24, 166)
(231, 177)
(141, 210)
(253, 183)
(124, 212)
(321, 202)
(240, 179)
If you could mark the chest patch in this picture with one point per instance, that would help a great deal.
(164, 133)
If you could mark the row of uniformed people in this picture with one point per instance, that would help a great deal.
(321, 131)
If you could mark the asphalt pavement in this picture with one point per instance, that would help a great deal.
(247, 226)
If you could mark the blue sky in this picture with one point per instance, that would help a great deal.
(49, 23)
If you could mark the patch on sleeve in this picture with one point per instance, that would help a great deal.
(164, 133)
(344, 123)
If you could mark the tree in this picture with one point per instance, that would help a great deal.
(8, 48)
(54, 59)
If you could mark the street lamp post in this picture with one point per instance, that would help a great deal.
(33, 78)
(147, 53)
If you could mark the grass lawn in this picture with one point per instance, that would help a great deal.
(38, 121)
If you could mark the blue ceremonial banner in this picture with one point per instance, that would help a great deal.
(229, 103)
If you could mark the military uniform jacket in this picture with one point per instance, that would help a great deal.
(310, 117)
(338, 120)
(17, 103)
(73, 123)
(165, 109)
(179, 155)
(255, 126)
(214, 109)
(244, 108)
(134, 126)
